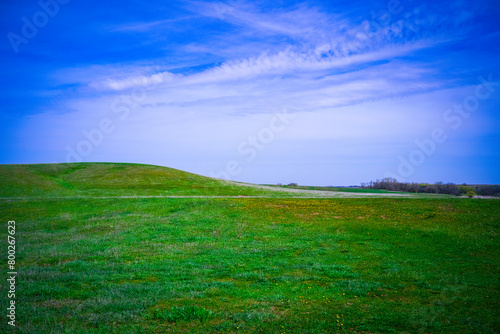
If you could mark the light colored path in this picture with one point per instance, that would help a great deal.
(316, 193)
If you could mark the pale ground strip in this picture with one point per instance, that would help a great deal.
(294, 193)
(316, 193)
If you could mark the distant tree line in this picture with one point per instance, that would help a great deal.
(436, 188)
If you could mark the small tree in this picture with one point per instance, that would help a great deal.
(471, 193)
(465, 189)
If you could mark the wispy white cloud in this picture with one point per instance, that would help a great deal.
(323, 42)
(148, 26)
(286, 62)
(301, 22)
(135, 81)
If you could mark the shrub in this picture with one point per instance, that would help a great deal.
(464, 189)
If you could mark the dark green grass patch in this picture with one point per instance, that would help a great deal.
(184, 313)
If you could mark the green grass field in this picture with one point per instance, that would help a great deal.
(240, 265)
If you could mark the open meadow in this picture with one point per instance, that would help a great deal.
(100, 248)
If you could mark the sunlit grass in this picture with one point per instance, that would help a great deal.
(109, 179)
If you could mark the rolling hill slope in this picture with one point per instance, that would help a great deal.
(111, 179)
(69, 180)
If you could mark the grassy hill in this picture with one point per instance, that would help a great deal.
(111, 179)
(125, 179)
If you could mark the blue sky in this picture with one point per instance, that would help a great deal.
(313, 92)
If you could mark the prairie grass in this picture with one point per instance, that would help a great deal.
(275, 265)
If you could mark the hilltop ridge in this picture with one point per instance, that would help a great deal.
(107, 180)
(110, 179)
